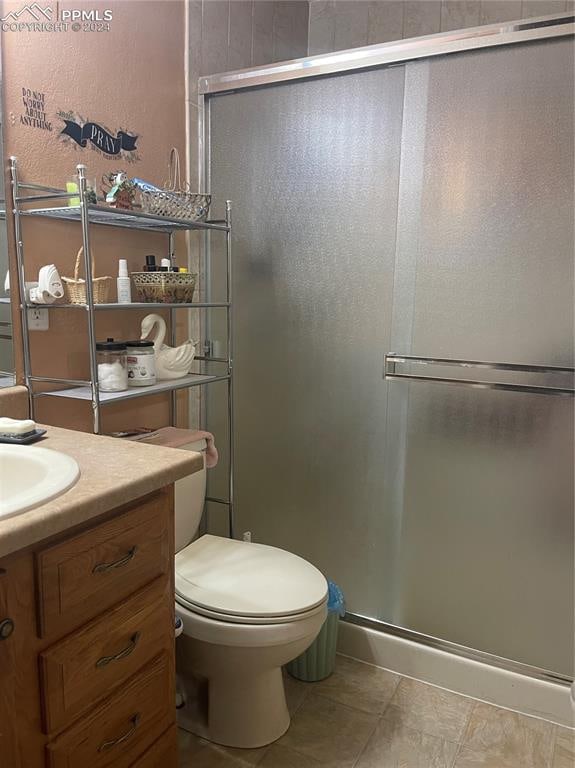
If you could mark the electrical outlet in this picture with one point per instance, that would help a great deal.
(38, 319)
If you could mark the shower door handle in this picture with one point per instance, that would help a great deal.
(392, 361)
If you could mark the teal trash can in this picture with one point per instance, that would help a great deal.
(318, 662)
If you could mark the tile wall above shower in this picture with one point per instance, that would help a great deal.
(338, 24)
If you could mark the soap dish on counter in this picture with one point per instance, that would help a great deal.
(26, 439)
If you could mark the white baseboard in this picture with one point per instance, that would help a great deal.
(550, 701)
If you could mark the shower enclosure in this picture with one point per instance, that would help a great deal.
(403, 269)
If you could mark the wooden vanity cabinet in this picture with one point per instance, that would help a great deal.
(8, 681)
(87, 675)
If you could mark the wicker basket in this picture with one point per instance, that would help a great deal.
(75, 287)
(175, 201)
(192, 206)
(164, 287)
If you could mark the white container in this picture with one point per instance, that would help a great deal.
(123, 283)
(141, 363)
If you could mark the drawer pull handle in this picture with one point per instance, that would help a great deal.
(104, 567)
(135, 720)
(6, 629)
(105, 660)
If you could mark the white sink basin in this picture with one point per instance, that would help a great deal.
(31, 476)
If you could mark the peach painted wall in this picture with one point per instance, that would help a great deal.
(131, 77)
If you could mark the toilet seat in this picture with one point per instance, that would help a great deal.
(232, 633)
(244, 583)
(181, 602)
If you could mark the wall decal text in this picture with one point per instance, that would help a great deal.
(34, 114)
(87, 133)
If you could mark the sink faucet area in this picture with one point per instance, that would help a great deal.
(31, 476)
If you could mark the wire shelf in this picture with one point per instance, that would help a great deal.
(25, 198)
(135, 305)
(116, 217)
(105, 398)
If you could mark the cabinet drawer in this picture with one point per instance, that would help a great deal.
(163, 752)
(124, 726)
(83, 576)
(88, 664)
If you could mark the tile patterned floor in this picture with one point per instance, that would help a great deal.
(365, 717)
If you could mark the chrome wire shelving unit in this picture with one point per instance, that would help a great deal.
(25, 198)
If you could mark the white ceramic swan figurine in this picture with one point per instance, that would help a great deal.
(171, 362)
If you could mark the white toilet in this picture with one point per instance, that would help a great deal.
(247, 609)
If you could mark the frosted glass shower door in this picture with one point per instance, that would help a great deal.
(483, 519)
(312, 169)
(424, 209)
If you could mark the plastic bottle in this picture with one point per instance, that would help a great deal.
(123, 282)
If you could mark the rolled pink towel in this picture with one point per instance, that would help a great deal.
(173, 437)
(211, 450)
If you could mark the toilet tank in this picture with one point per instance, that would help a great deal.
(190, 494)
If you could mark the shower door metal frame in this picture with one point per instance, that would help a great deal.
(369, 57)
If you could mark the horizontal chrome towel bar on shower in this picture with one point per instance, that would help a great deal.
(391, 361)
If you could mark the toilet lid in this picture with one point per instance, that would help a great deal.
(240, 579)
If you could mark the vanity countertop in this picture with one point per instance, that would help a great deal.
(112, 472)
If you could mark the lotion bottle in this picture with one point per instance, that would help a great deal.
(123, 283)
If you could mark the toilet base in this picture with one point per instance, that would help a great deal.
(233, 675)
(238, 710)
(247, 712)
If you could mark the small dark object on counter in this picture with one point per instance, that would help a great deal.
(26, 439)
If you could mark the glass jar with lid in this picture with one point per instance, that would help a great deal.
(112, 365)
(141, 363)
